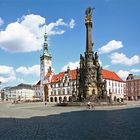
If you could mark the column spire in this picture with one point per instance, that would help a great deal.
(88, 23)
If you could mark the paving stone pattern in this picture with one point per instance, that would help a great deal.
(67, 123)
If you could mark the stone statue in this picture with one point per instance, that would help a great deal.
(81, 57)
(88, 11)
(96, 56)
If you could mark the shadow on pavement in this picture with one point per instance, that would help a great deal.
(77, 125)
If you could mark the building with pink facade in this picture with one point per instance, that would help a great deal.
(133, 87)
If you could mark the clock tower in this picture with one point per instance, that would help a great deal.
(45, 63)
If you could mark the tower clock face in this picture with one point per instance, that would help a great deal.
(45, 64)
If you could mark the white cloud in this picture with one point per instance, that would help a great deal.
(106, 66)
(72, 23)
(123, 74)
(135, 70)
(110, 46)
(26, 34)
(1, 21)
(71, 65)
(120, 58)
(34, 70)
(52, 28)
(7, 74)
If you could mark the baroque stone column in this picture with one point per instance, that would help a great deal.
(88, 70)
(89, 75)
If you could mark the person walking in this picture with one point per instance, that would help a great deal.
(45, 103)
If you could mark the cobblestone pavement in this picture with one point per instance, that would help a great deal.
(35, 121)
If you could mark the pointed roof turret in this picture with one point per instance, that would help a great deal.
(45, 46)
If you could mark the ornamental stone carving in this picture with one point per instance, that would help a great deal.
(90, 79)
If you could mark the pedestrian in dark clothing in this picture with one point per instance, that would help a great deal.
(45, 103)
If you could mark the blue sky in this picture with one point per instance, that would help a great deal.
(116, 36)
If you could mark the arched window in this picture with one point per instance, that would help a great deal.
(60, 99)
(51, 99)
(70, 98)
(65, 99)
(55, 99)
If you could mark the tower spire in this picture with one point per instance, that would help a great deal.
(45, 35)
(45, 46)
(45, 65)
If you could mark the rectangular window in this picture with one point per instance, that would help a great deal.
(119, 91)
(68, 91)
(59, 92)
(63, 91)
(118, 84)
(54, 92)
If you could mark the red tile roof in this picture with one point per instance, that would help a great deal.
(73, 74)
(110, 75)
(58, 77)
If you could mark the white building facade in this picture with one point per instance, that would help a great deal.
(62, 87)
(38, 95)
(21, 92)
(114, 84)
